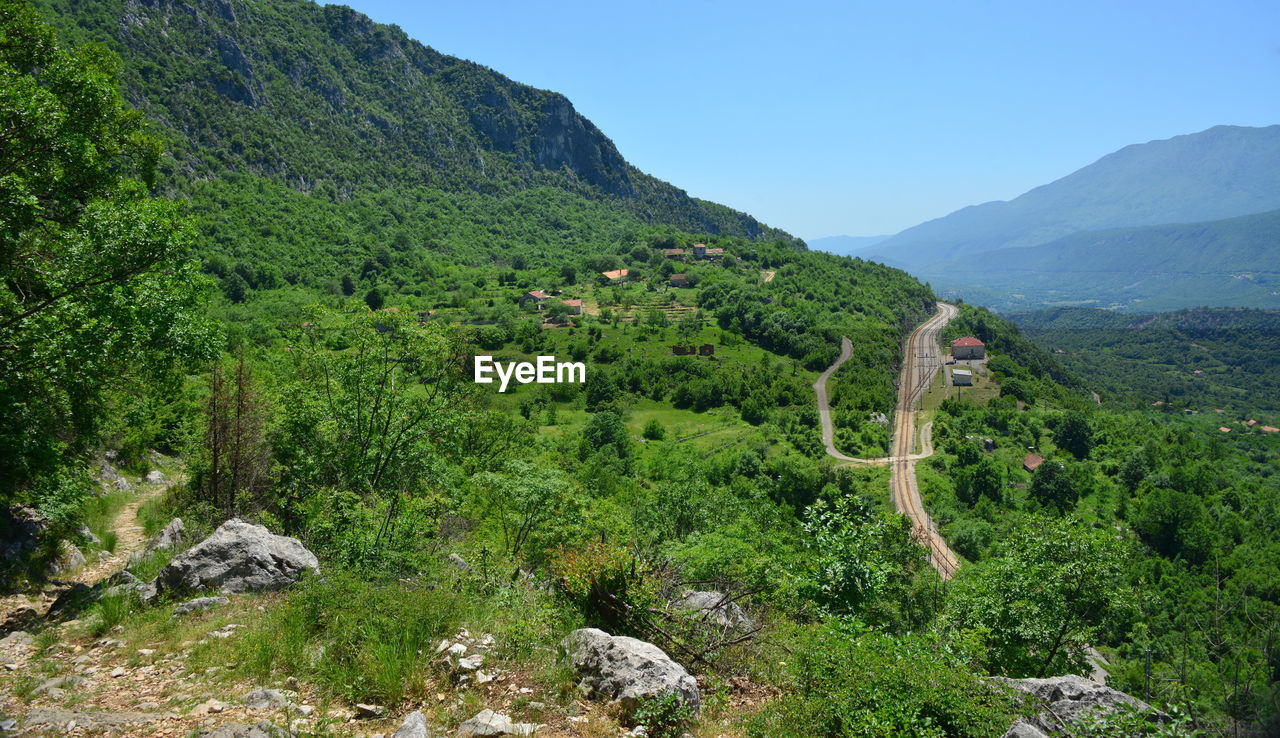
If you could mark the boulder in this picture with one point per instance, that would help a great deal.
(52, 718)
(714, 607)
(488, 723)
(68, 559)
(414, 726)
(169, 538)
(265, 699)
(199, 604)
(237, 557)
(1066, 700)
(458, 562)
(626, 670)
(155, 476)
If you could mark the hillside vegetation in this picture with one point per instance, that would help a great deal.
(299, 354)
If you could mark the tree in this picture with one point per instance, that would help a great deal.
(1051, 485)
(654, 431)
(985, 478)
(1043, 596)
(348, 285)
(373, 298)
(521, 498)
(96, 289)
(239, 459)
(605, 431)
(1074, 435)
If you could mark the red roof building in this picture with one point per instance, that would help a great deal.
(616, 274)
(1032, 461)
(968, 348)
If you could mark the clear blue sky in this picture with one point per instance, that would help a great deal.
(861, 118)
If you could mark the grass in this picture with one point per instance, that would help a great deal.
(100, 514)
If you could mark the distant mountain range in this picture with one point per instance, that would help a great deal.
(1152, 226)
(846, 245)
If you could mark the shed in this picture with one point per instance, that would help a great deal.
(1032, 461)
(679, 280)
(616, 274)
(962, 377)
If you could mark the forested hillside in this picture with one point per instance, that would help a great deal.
(1200, 360)
(330, 104)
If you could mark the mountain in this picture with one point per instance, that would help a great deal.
(1219, 173)
(1233, 262)
(327, 102)
(845, 245)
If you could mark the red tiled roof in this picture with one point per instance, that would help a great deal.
(1224, 429)
(715, 251)
(1270, 429)
(674, 252)
(1032, 461)
(573, 303)
(679, 276)
(967, 341)
(616, 274)
(1251, 423)
(538, 295)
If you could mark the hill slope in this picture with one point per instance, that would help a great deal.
(330, 103)
(1232, 262)
(1200, 359)
(1218, 173)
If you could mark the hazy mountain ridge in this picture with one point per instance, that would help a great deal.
(1222, 172)
(1232, 262)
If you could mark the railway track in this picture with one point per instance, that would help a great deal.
(921, 361)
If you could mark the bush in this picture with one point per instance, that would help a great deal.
(611, 588)
(654, 431)
(844, 684)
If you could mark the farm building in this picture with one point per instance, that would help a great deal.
(537, 297)
(575, 306)
(675, 253)
(961, 377)
(679, 280)
(968, 348)
(1032, 461)
(616, 274)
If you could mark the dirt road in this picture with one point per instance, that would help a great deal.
(921, 362)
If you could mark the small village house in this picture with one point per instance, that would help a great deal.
(534, 297)
(679, 280)
(616, 274)
(675, 253)
(1032, 461)
(968, 348)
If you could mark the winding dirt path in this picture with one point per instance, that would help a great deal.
(920, 364)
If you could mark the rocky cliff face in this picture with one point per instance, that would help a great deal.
(329, 102)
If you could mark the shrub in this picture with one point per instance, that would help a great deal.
(613, 589)
(654, 431)
(845, 684)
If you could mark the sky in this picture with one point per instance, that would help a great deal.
(864, 118)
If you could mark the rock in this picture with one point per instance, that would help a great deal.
(23, 528)
(19, 642)
(370, 711)
(1023, 729)
(199, 604)
(52, 717)
(208, 706)
(88, 535)
(68, 559)
(458, 562)
(488, 723)
(169, 538)
(237, 557)
(122, 484)
(124, 582)
(240, 730)
(118, 672)
(265, 699)
(414, 726)
(57, 686)
(1067, 700)
(714, 607)
(627, 670)
(155, 476)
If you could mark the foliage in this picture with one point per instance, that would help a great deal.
(871, 684)
(95, 288)
(1054, 587)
